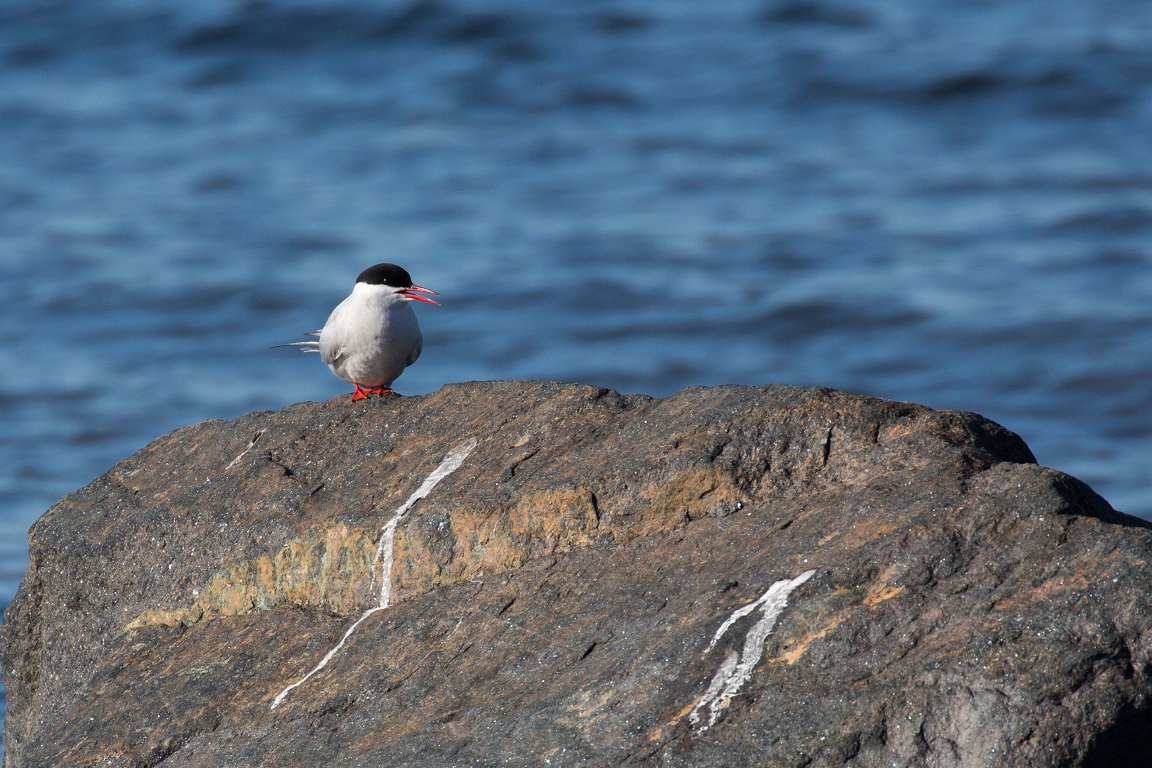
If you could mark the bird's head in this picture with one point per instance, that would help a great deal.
(397, 280)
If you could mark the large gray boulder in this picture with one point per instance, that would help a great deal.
(528, 573)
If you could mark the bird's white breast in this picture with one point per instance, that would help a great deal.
(371, 337)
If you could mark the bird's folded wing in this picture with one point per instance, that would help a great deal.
(415, 353)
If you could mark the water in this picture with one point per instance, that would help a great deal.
(947, 203)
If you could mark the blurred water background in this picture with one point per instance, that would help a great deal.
(948, 203)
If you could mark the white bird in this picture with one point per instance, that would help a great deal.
(372, 336)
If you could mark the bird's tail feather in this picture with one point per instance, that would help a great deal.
(308, 346)
(305, 346)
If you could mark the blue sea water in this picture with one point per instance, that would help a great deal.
(948, 203)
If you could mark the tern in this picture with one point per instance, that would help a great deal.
(372, 336)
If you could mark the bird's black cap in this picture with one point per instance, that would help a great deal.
(386, 274)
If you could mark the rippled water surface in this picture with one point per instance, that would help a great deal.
(948, 203)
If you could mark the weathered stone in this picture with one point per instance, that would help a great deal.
(554, 600)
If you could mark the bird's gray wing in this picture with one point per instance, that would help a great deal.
(331, 344)
(415, 353)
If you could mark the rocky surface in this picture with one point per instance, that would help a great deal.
(775, 576)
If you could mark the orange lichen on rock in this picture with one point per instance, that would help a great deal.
(326, 569)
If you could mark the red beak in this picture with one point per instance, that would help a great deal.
(415, 291)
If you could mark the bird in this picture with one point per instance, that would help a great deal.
(372, 336)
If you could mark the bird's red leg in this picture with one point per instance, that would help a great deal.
(362, 393)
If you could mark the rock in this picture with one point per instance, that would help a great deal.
(776, 576)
